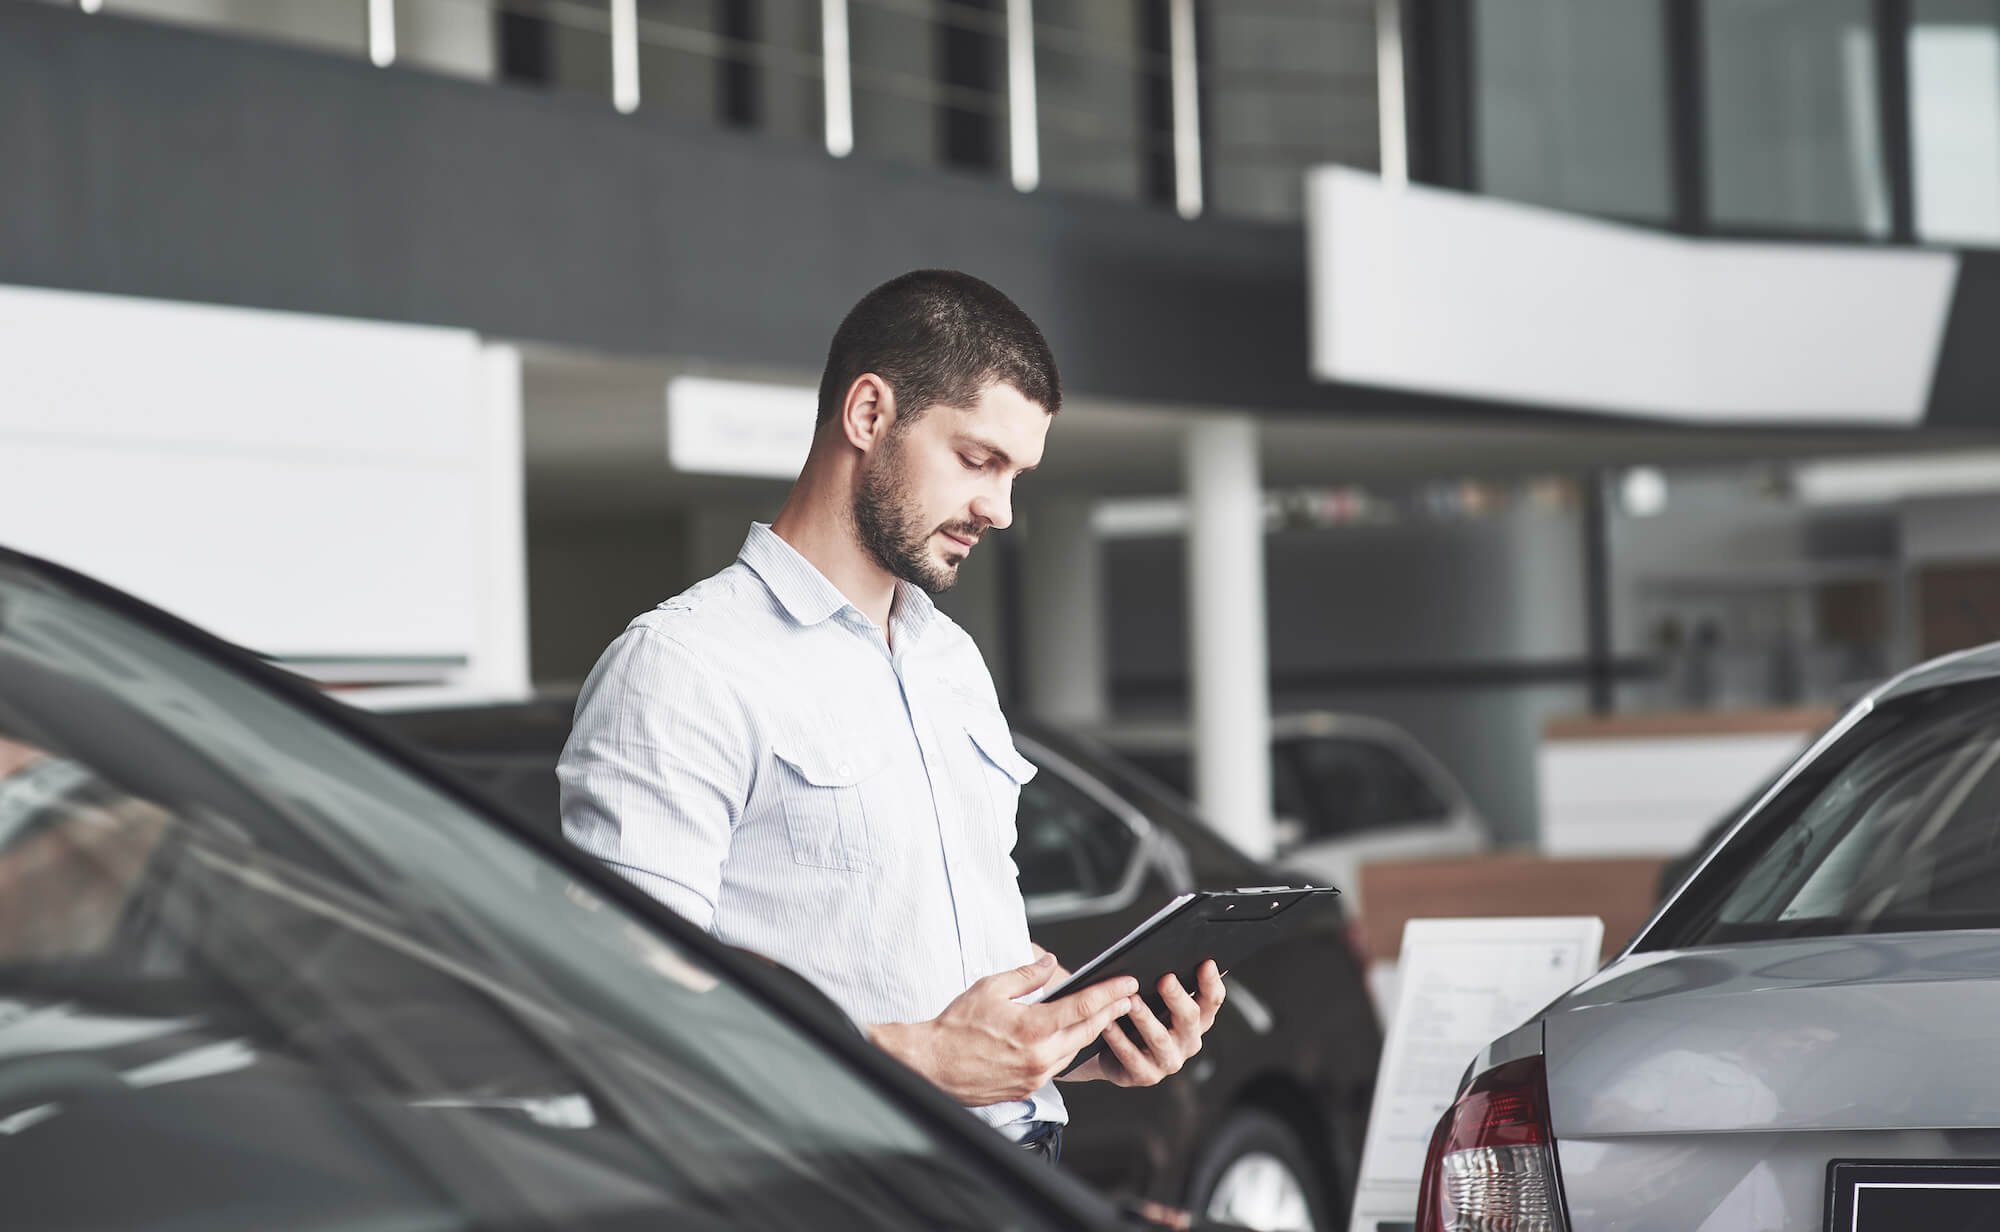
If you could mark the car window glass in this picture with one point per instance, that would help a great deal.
(522, 782)
(1289, 801)
(1353, 785)
(1169, 766)
(1906, 835)
(282, 982)
(1174, 768)
(1067, 841)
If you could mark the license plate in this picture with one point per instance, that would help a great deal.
(1883, 1195)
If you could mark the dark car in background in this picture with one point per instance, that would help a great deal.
(1346, 790)
(1264, 1128)
(263, 967)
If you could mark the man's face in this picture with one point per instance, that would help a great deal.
(931, 489)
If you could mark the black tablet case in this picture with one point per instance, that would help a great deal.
(1226, 925)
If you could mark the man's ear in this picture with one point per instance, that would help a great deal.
(868, 412)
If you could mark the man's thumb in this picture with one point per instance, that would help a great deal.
(1025, 978)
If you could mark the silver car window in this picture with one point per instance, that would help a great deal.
(268, 978)
(1901, 832)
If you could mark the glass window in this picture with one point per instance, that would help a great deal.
(283, 983)
(325, 25)
(1895, 829)
(459, 37)
(1104, 97)
(1352, 786)
(1172, 767)
(1791, 120)
(1284, 86)
(1067, 842)
(930, 81)
(1955, 119)
(1572, 105)
(560, 44)
(690, 62)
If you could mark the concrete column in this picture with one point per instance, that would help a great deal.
(1062, 580)
(1227, 631)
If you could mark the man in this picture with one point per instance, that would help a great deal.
(805, 757)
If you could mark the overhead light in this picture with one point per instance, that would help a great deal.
(1642, 492)
(382, 32)
(1885, 480)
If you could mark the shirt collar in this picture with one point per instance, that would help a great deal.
(809, 598)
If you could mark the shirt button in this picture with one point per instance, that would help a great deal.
(845, 769)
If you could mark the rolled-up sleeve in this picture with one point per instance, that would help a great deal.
(657, 770)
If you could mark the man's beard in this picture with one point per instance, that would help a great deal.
(894, 533)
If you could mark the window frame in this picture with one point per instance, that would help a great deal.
(1444, 106)
(1052, 908)
(1690, 918)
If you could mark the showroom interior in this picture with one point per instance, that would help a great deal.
(1598, 393)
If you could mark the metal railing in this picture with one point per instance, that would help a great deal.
(991, 83)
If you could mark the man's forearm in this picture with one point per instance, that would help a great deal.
(908, 1042)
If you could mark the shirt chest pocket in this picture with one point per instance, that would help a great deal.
(998, 773)
(821, 789)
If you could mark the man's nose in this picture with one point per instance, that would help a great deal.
(995, 509)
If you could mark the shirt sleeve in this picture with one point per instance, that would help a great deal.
(657, 770)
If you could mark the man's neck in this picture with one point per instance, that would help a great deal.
(825, 536)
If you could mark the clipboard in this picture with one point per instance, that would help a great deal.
(1226, 925)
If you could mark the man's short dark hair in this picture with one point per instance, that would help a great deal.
(938, 337)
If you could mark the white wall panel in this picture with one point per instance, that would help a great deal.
(1443, 293)
(305, 486)
(286, 555)
(1653, 796)
(181, 376)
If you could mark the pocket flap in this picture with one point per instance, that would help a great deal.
(997, 743)
(828, 765)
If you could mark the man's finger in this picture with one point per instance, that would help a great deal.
(1160, 1042)
(1073, 1037)
(1021, 980)
(1213, 990)
(1179, 1004)
(1080, 1007)
(1140, 1069)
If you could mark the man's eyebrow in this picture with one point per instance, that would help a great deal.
(1006, 459)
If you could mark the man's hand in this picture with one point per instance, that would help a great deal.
(1166, 1049)
(984, 1049)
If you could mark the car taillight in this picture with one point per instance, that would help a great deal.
(1491, 1166)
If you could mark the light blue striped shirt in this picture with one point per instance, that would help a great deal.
(753, 754)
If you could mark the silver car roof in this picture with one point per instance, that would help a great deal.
(1965, 667)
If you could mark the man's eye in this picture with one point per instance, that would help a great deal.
(970, 464)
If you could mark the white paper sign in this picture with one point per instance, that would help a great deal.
(1463, 984)
(718, 427)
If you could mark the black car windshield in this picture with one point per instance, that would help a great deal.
(1895, 828)
(255, 975)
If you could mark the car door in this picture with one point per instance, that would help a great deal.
(276, 973)
(1092, 868)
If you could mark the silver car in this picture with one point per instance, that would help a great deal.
(1806, 1037)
